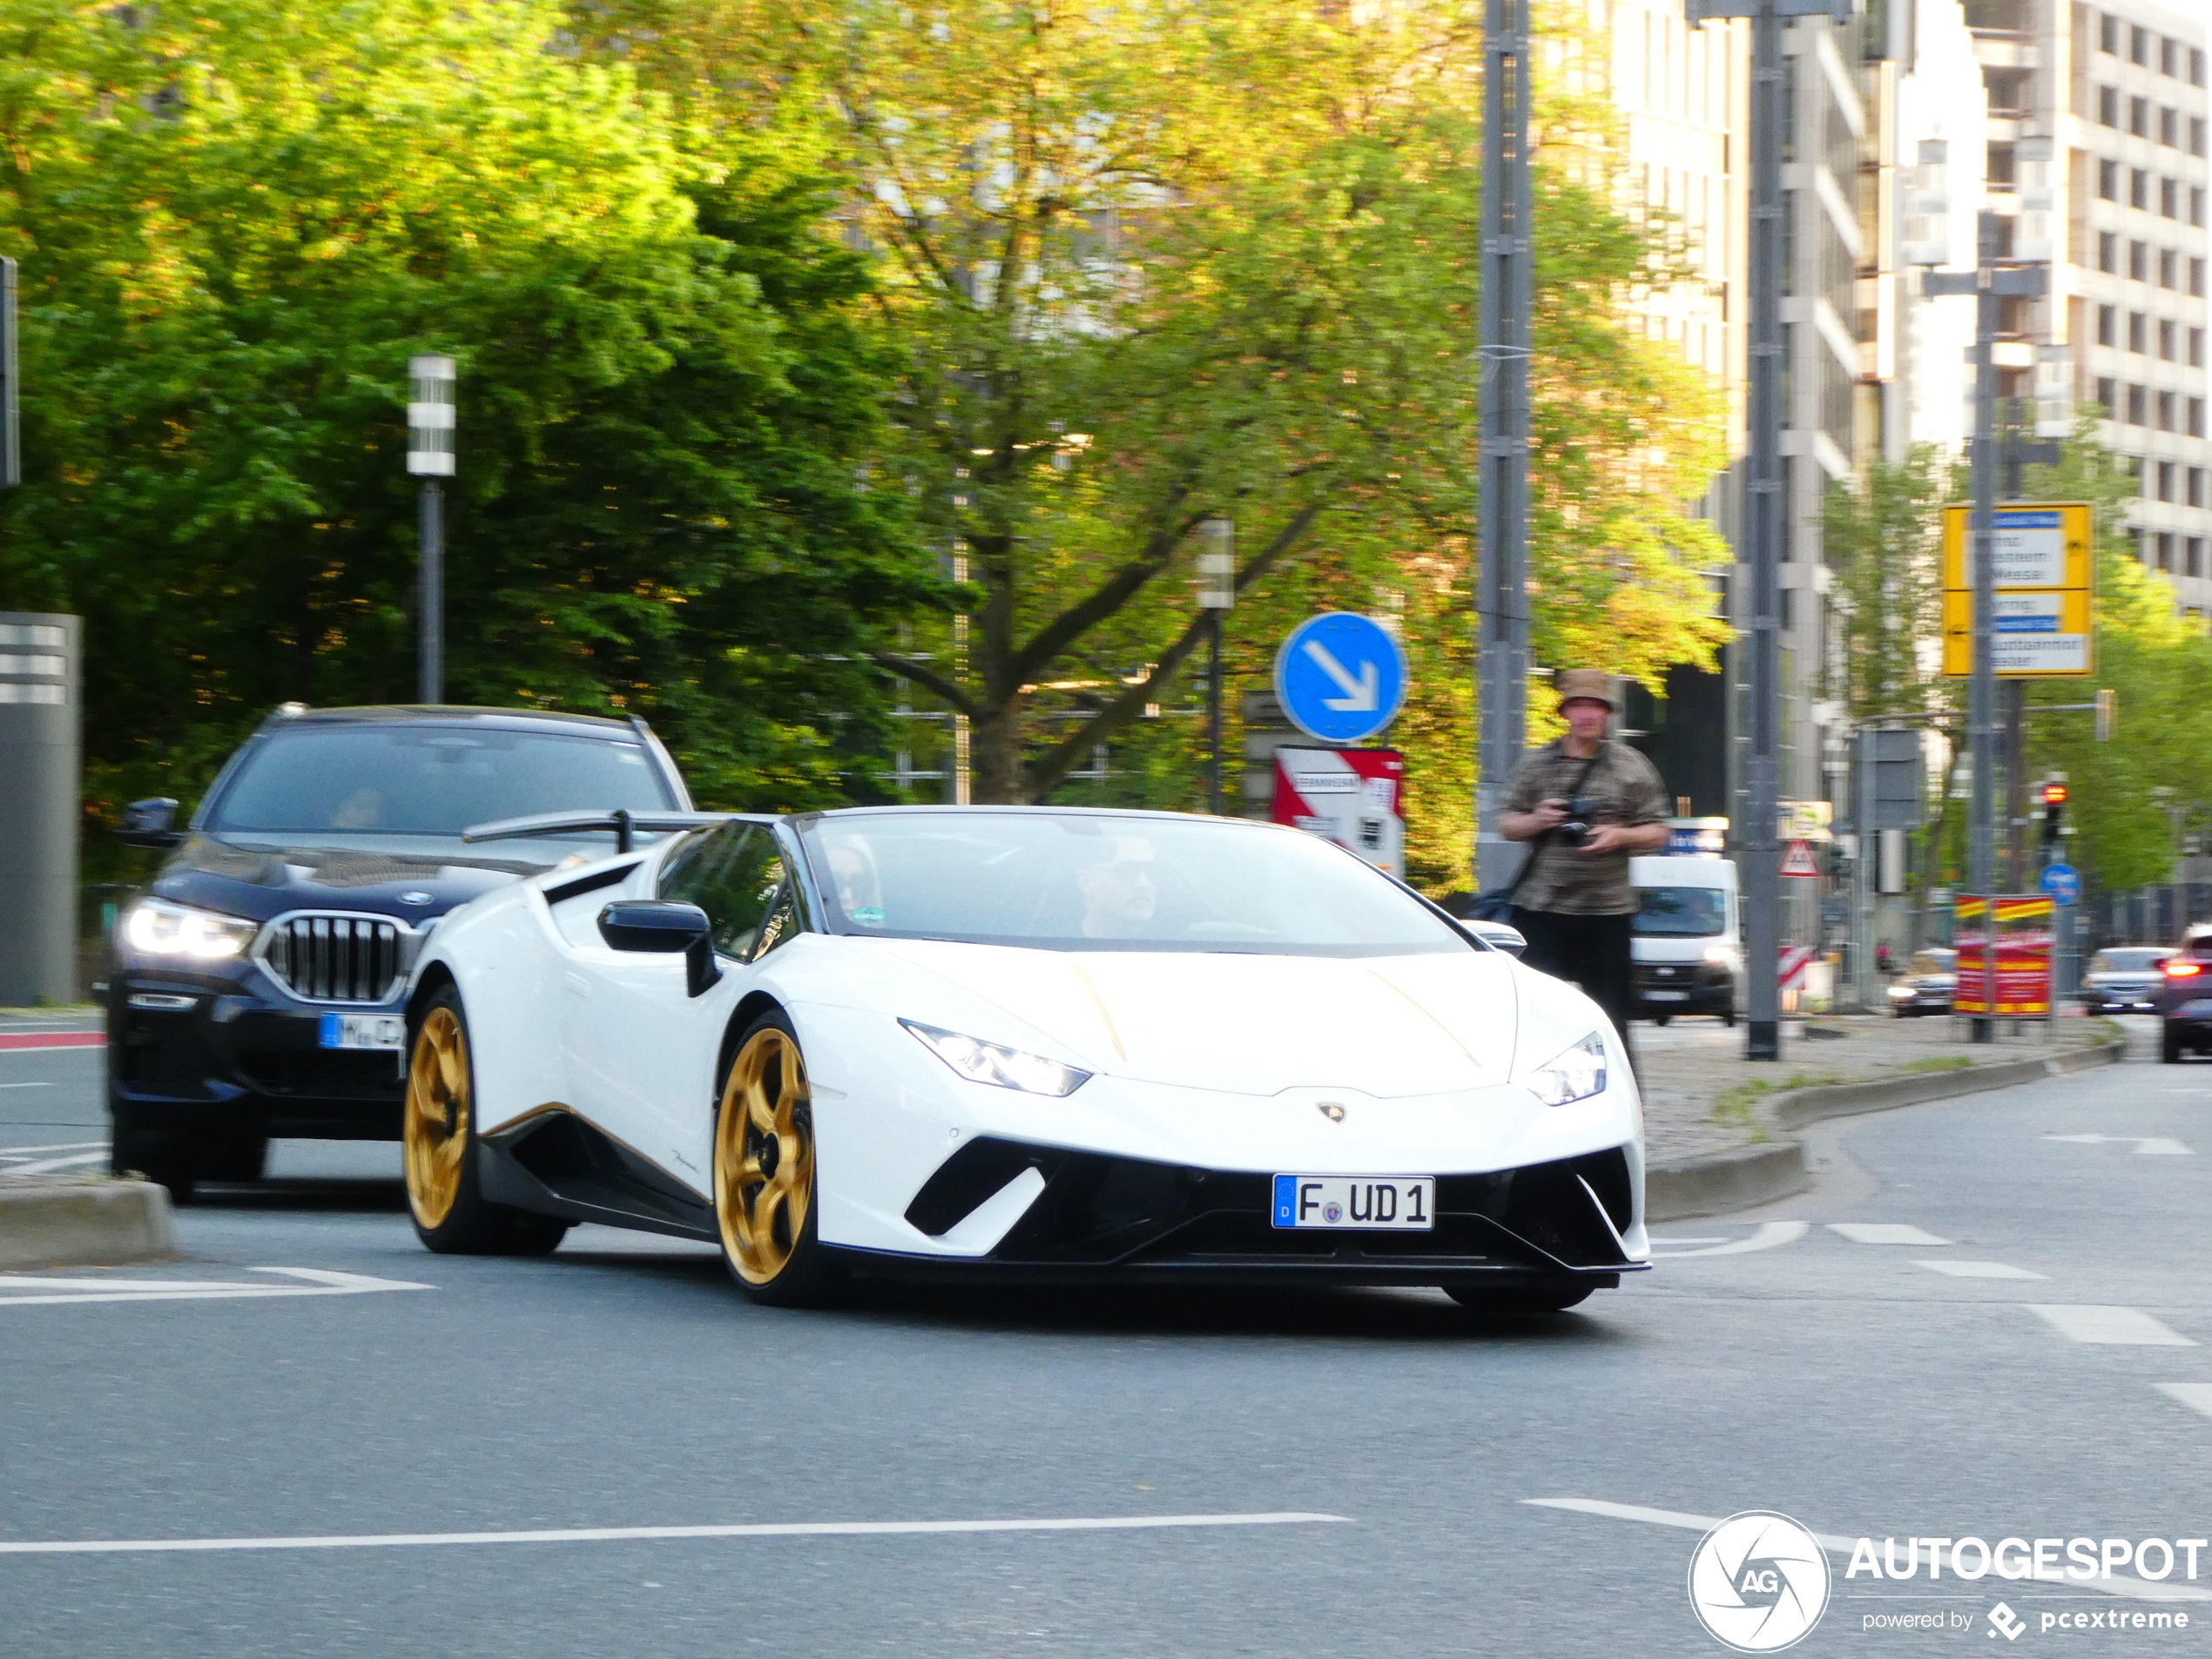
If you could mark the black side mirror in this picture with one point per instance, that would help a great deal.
(150, 823)
(661, 925)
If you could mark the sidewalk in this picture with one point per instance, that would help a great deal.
(1702, 1096)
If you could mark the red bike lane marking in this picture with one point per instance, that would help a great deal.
(21, 1040)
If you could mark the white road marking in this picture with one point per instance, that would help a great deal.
(1883, 1233)
(623, 1535)
(48, 1166)
(2087, 1322)
(26, 1085)
(1716, 1239)
(1769, 1234)
(1978, 1270)
(2145, 1145)
(2196, 1395)
(2136, 1589)
(59, 1146)
(25, 1291)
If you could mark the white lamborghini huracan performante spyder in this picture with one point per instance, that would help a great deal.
(1014, 1043)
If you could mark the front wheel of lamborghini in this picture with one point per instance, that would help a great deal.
(767, 1178)
(438, 1141)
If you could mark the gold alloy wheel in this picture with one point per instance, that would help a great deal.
(437, 1133)
(764, 1157)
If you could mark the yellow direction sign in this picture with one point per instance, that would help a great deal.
(2044, 559)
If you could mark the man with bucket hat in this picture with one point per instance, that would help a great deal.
(1587, 805)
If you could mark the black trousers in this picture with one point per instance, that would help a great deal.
(1592, 952)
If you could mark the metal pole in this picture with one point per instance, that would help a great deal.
(1761, 851)
(1213, 711)
(1981, 704)
(432, 689)
(1501, 590)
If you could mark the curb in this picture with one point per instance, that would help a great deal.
(1744, 1178)
(89, 1224)
(1741, 1178)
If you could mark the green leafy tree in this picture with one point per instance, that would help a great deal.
(237, 218)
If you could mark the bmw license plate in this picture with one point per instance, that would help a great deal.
(1358, 1202)
(384, 1031)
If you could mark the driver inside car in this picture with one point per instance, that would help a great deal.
(1121, 896)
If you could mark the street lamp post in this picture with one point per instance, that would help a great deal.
(1216, 592)
(430, 412)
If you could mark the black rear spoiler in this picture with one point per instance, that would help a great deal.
(624, 823)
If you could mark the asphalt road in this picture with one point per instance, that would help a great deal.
(1844, 1381)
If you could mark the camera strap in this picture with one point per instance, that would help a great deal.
(1492, 907)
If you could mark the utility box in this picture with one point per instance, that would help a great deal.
(41, 759)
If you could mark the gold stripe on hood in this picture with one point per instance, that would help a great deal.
(1099, 1002)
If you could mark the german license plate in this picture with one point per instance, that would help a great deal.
(384, 1031)
(2196, 1008)
(1666, 996)
(1359, 1203)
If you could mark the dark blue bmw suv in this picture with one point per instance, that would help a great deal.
(255, 988)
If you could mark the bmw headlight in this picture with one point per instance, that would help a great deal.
(160, 927)
(1003, 1068)
(1575, 1075)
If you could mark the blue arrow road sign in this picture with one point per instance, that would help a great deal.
(1340, 678)
(2062, 884)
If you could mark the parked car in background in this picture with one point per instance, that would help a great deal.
(1688, 960)
(2184, 1000)
(256, 986)
(1929, 982)
(2124, 980)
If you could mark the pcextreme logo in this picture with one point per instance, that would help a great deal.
(1758, 1582)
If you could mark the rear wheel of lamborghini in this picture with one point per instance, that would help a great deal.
(1524, 1299)
(766, 1175)
(438, 1139)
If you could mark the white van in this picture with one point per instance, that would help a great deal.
(1688, 944)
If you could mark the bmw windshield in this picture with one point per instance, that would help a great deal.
(416, 779)
(1056, 880)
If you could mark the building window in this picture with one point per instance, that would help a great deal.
(2169, 127)
(2108, 395)
(2108, 181)
(2169, 199)
(2138, 261)
(2196, 135)
(2165, 342)
(2165, 551)
(2165, 480)
(2196, 417)
(2169, 265)
(2197, 349)
(2197, 207)
(2196, 556)
(2168, 55)
(2138, 189)
(2109, 34)
(2139, 46)
(2196, 486)
(2108, 107)
(2137, 322)
(2107, 254)
(2136, 399)
(2138, 117)
(2108, 325)
(2165, 411)
(2196, 278)
(2196, 69)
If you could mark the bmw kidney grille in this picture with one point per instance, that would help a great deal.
(335, 958)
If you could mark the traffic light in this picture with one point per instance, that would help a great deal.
(2053, 810)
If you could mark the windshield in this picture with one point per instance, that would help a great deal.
(1681, 912)
(418, 779)
(1101, 882)
(1934, 961)
(2126, 961)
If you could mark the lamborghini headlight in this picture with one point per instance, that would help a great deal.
(1575, 1075)
(1003, 1068)
(160, 928)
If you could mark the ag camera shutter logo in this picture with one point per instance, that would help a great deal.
(1758, 1582)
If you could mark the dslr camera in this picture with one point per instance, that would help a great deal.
(1574, 829)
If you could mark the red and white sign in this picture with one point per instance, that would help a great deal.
(1791, 962)
(1800, 860)
(1353, 797)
